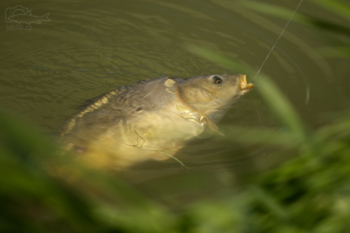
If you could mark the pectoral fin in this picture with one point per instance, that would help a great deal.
(215, 129)
(211, 128)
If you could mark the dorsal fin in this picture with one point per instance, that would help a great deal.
(89, 106)
(96, 102)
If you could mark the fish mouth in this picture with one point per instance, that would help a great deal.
(243, 83)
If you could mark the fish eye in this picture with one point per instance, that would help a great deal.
(216, 80)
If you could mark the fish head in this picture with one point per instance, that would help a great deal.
(213, 95)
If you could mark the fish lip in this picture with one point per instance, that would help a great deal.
(243, 83)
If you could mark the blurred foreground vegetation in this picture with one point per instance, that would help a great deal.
(44, 191)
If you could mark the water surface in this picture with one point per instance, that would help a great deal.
(89, 48)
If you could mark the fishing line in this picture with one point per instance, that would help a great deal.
(277, 40)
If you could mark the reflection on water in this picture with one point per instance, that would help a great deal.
(90, 48)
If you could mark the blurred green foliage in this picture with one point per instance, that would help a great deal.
(339, 8)
(43, 190)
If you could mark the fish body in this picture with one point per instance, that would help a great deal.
(151, 119)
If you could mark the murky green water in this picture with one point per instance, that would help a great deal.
(89, 48)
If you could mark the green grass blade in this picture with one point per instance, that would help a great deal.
(340, 8)
(221, 60)
(280, 106)
(268, 90)
(273, 10)
(285, 13)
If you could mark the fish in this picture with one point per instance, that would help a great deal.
(150, 119)
(28, 18)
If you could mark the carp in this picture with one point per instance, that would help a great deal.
(151, 119)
